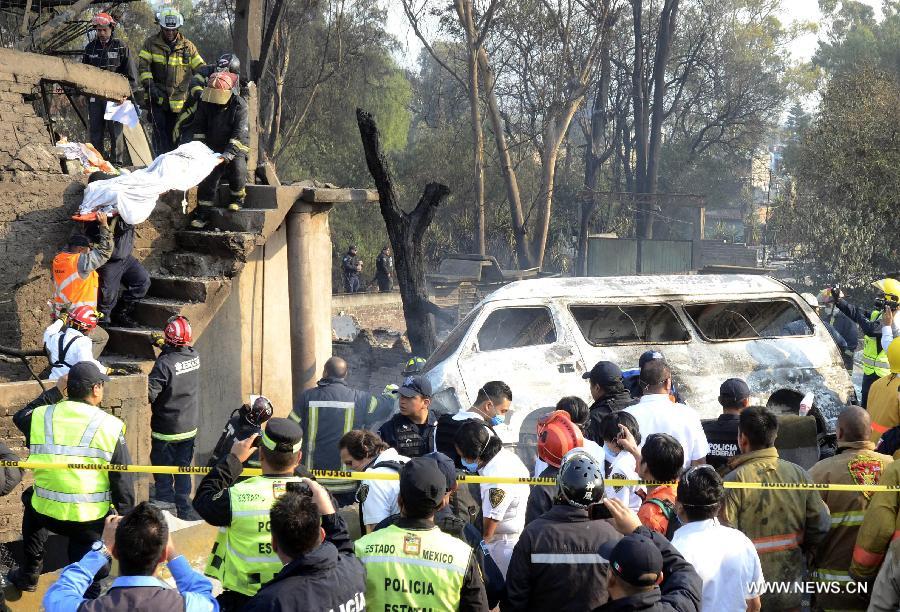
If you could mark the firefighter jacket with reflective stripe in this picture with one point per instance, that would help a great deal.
(73, 432)
(883, 404)
(881, 524)
(242, 558)
(113, 56)
(71, 289)
(174, 392)
(169, 67)
(855, 463)
(418, 569)
(781, 523)
(556, 564)
(223, 127)
(326, 412)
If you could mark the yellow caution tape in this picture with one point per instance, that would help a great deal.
(341, 475)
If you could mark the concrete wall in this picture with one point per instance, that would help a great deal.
(247, 344)
(371, 310)
(125, 397)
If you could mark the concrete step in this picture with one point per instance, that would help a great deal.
(259, 197)
(127, 361)
(133, 342)
(186, 288)
(225, 244)
(179, 263)
(155, 312)
(244, 220)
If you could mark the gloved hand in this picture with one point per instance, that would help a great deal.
(157, 95)
(140, 99)
(157, 339)
(228, 156)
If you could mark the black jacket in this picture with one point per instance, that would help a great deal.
(384, 265)
(330, 399)
(410, 439)
(681, 588)
(223, 127)
(329, 577)
(449, 523)
(113, 56)
(540, 498)
(862, 318)
(604, 406)
(173, 388)
(539, 576)
(721, 433)
(9, 476)
(123, 238)
(121, 484)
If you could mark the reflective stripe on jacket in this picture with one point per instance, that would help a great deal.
(855, 463)
(413, 569)
(72, 432)
(795, 520)
(170, 67)
(70, 290)
(242, 558)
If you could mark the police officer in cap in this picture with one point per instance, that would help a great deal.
(351, 266)
(425, 568)
(242, 558)
(721, 433)
(609, 394)
(411, 431)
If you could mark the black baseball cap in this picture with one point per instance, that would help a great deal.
(446, 466)
(86, 373)
(733, 390)
(649, 356)
(422, 484)
(635, 559)
(282, 436)
(415, 385)
(79, 240)
(604, 373)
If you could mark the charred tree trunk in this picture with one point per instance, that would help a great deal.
(405, 231)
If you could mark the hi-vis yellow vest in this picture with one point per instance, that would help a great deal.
(413, 569)
(874, 362)
(72, 432)
(242, 558)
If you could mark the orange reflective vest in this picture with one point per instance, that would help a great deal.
(70, 290)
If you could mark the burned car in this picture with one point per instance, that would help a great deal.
(542, 335)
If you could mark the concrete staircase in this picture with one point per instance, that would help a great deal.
(195, 279)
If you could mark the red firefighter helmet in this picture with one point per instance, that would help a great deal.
(103, 20)
(557, 435)
(83, 318)
(178, 331)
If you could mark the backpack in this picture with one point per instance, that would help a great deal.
(668, 509)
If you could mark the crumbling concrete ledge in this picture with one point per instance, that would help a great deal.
(31, 68)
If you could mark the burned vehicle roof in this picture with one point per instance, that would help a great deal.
(673, 286)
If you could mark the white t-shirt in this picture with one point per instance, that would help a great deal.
(590, 447)
(623, 465)
(80, 350)
(505, 502)
(726, 561)
(381, 495)
(656, 413)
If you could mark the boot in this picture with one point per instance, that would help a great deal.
(237, 200)
(201, 214)
(22, 581)
(122, 315)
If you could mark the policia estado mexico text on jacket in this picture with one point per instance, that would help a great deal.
(242, 558)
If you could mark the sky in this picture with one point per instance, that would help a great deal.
(792, 11)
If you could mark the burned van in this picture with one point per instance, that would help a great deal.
(540, 336)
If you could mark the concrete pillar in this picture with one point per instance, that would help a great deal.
(309, 290)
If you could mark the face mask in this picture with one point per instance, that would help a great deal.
(471, 467)
(498, 419)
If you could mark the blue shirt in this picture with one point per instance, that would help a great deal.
(68, 592)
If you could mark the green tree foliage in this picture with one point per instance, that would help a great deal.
(855, 38)
(841, 215)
